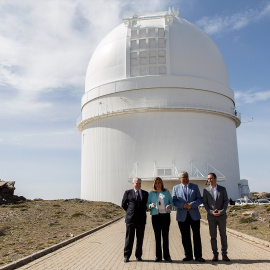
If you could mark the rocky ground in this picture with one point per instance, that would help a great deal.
(30, 226)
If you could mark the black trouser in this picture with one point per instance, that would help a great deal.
(130, 234)
(186, 239)
(161, 225)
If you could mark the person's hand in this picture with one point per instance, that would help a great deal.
(187, 206)
(152, 205)
(216, 213)
(168, 207)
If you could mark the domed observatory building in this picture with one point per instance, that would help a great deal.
(157, 101)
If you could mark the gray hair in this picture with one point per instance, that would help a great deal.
(136, 179)
(183, 172)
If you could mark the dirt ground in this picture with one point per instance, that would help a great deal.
(34, 225)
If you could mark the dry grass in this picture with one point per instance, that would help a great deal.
(34, 225)
(240, 220)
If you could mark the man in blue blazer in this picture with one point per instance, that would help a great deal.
(134, 203)
(187, 198)
(215, 200)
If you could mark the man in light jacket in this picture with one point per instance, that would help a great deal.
(187, 198)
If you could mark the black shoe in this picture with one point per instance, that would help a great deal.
(168, 260)
(225, 258)
(200, 259)
(215, 258)
(158, 259)
(186, 259)
(139, 259)
(126, 259)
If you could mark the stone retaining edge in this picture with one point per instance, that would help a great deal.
(48, 250)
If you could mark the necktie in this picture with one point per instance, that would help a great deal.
(138, 196)
(185, 191)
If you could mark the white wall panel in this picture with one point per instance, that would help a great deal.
(113, 145)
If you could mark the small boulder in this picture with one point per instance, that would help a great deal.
(250, 213)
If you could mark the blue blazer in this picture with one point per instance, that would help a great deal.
(194, 198)
(153, 198)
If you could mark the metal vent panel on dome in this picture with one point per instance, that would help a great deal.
(148, 52)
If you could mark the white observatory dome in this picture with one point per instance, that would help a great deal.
(191, 53)
(157, 101)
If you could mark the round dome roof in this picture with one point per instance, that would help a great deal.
(159, 44)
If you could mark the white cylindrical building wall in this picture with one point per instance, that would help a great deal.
(157, 101)
(112, 146)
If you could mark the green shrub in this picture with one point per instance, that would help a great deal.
(3, 230)
(254, 228)
(247, 220)
(18, 206)
(248, 206)
(40, 246)
(78, 214)
(235, 208)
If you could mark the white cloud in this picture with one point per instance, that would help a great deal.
(234, 22)
(251, 96)
(46, 45)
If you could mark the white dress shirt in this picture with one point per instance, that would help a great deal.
(160, 204)
(214, 192)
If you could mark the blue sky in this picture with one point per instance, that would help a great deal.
(45, 47)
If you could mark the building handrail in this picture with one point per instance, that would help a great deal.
(98, 110)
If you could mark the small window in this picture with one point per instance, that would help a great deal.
(161, 32)
(164, 172)
(134, 34)
(151, 32)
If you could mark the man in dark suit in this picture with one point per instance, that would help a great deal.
(187, 198)
(134, 203)
(215, 200)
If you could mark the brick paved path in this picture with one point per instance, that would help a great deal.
(104, 250)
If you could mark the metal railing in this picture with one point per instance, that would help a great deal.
(101, 109)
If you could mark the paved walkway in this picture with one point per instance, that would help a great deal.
(104, 250)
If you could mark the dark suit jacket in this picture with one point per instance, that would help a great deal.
(136, 212)
(221, 202)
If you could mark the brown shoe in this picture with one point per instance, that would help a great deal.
(225, 258)
(215, 258)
